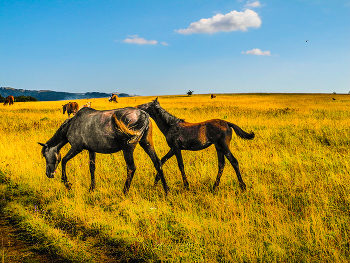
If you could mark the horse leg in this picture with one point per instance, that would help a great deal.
(221, 164)
(234, 164)
(130, 166)
(71, 153)
(181, 167)
(162, 161)
(92, 157)
(149, 149)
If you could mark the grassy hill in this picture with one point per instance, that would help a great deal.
(296, 207)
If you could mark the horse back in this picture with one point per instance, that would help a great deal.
(107, 131)
(208, 127)
(197, 136)
(73, 107)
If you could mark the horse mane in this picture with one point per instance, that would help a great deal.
(166, 116)
(59, 135)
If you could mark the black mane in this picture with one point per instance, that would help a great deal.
(166, 116)
(59, 135)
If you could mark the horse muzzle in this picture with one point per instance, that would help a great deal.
(50, 174)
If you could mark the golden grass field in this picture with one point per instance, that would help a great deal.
(296, 207)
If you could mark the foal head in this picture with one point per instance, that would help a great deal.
(156, 112)
(53, 158)
(149, 107)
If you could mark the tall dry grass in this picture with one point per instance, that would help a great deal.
(295, 209)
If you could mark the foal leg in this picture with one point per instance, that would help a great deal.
(92, 156)
(164, 159)
(149, 149)
(234, 163)
(130, 165)
(221, 164)
(71, 153)
(235, 166)
(181, 167)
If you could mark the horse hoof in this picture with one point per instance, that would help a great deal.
(187, 185)
(68, 185)
(243, 187)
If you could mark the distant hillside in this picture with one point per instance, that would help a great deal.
(49, 95)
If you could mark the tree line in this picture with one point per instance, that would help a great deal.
(20, 98)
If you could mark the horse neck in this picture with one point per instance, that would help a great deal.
(59, 139)
(161, 123)
(57, 142)
(164, 119)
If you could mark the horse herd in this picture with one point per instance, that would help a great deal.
(122, 129)
(73, 107)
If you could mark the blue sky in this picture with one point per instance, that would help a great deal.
(169, 47)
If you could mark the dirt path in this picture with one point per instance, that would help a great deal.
(12, 249)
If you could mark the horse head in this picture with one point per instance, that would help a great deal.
(147, 107)
(152, 108)
(53, 158)
(64, 108)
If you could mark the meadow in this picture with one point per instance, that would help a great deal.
(296, 207)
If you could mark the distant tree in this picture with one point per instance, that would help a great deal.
(2, 99)
(25, 98)
(189, 92)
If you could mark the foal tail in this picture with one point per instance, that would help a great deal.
(240, 132)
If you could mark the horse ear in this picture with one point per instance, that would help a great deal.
(42, 144)
(156, 100)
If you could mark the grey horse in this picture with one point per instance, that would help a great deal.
(102, 132)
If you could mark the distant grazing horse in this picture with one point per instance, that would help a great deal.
(9, 100)
(113, 98)
(181, 135)
(102, 132)
(70, 107)
(212, 96)
(87, 104)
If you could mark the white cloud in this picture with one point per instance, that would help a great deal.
(164, 43)
(257, 52)
(135, 39)
(232, 21)
(252, 4)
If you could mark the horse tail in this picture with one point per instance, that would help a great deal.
(240, 132)
(134, 131)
